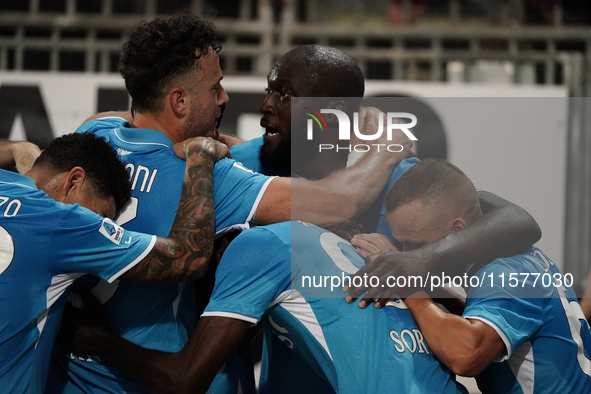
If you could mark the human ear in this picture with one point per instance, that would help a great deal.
(74, 181)
(458, 224)
(177, 98)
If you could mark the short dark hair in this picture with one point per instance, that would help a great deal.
(159, 51)
(426, 181)
(103, 168)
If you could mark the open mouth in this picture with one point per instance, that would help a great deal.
(270, 131)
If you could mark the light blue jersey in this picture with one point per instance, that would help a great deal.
(158, 316)
(247, 153)
(354, 350)
(44, 246)
(373, 220)
(541, 323)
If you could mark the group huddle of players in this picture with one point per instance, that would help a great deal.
(296, 213)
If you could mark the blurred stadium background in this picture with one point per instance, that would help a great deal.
(430, 48)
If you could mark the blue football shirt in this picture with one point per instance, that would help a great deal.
(44, 246)
(541, 323)
(158, 316)
(353, 350)
(247, 153)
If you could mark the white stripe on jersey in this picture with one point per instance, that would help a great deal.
(134, 262)
(523, 367)
(499, 332)
(297, 306)
(255, 206)
(232, 315)
(251, 214)
(58, 286)
(177, 300)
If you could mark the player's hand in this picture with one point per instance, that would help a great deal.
(215, 149)
(387, 266)
(369, 124)
(23, 155)
(229, 140)
(370, 244)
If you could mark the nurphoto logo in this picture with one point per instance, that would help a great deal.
(345, 129)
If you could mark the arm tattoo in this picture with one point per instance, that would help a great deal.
(185, 253)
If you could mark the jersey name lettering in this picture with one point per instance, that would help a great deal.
(411, 340)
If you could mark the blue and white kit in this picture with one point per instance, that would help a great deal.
(353, 350)
(159, 316)
(44, 246)
(541, 323)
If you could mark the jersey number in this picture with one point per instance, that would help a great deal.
(6, 242)
(575, 317)
(6, 249)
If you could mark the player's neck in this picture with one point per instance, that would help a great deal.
(148, 120)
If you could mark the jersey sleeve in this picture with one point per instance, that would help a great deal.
(514, 317)
(84, 242)
(254, 271)
(237, 194)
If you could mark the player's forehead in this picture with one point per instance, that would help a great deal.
(286, 76)
(410, 222)
(209, 67)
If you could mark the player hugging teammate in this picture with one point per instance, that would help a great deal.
(297, 216)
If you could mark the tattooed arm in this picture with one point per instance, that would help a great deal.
(185, 253)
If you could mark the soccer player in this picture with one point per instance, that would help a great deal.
(504, 229)
(351, 350)
(47, 240)
(171, 70)
(522, 330)
(270, 154)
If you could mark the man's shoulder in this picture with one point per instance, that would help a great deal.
(99, 123)
(246, 146)
(273, 234)
(532, 260)
(247, 153)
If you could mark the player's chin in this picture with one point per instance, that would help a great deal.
(270, 145)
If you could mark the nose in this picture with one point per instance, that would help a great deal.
(223, 97)
(267, 106)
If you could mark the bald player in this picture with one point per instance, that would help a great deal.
(518, 333)
(306, 71)
(319, 71)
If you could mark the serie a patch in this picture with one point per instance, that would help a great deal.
(112, 231)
